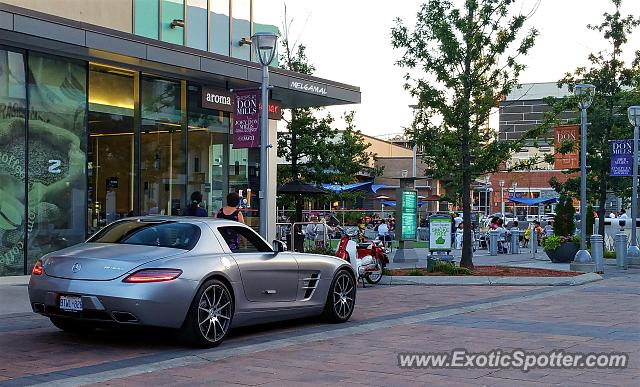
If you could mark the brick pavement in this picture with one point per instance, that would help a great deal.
(599, 317)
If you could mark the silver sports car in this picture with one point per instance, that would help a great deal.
(197, 275)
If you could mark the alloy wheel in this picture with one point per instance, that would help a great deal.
(343, 295)
(215, 310)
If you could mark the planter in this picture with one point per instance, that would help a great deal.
(564, 253)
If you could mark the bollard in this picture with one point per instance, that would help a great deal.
(597, 246)
(621, 250)
(493, 242)
(515, 240)
(534, 240)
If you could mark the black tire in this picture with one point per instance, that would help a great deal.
(341, 298)
(374, 279)
(211, 309)
(72, 326)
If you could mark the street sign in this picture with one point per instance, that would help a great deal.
(621, 158)
(409, 214)
(440, 233)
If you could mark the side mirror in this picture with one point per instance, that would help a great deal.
(279, 246)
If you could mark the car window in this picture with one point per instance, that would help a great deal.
(163, 234)
(243, 240)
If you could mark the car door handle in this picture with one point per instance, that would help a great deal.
(270, 291)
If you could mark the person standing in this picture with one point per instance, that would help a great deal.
(231, 212)
(383, 233)
(457, 220)
(194, 209)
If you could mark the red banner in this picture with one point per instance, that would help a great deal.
(246, 121)
(562, 133)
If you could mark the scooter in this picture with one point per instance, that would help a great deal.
(367, 259)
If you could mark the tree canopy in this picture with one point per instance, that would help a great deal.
(461, 63)
(616, 89)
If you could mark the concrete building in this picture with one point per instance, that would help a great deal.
(123, 107)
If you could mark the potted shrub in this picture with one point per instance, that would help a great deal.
(562, 247)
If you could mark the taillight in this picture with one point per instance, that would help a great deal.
(37, 268)
(153, 275)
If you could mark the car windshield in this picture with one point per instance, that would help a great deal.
(162, 234)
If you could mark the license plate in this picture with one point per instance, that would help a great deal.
(71, 304)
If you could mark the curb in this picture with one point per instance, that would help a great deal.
(493, 280)
(15, 280)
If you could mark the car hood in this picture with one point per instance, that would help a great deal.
(102, 261)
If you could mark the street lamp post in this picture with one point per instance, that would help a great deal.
(264, 44)
(501, 183)
(585, 93)
(514, 186)
(633, 253)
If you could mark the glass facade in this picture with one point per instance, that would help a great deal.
(162, 147)
(56, 154)
(197, 19)
(103, 143)
(13, 108)
(110, 150)
(146, 14)
(216, 26)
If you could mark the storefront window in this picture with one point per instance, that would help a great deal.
(196, 25)
(172, 10)
(146, 14)
(12, 162)
(110, 166)
(241, 28)
(208, 133)
(244, 178)
(56, 154)
(219, 28)
(163, 181)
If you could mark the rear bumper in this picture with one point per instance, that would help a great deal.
(161, 304)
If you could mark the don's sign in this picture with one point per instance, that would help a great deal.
(622, 158)
(246, 120)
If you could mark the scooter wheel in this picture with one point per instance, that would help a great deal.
(374, 277)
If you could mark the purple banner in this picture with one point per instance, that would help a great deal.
(246, 120)
(622, 158)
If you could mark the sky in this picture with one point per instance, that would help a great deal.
(349, 41)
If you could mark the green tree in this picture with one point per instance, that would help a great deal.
(317, 152)
(460, 64)
(616, 89)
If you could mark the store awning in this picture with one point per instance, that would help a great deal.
(534, 201)
(366, 186)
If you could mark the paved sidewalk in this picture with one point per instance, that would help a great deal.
(388, 320)
(482, 257)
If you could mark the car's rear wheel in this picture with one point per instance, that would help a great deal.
(210, 315)
(70, 325)
(341, 298)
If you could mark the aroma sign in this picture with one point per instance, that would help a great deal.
(222, 100)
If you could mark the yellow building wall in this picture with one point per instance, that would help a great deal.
(114, 14)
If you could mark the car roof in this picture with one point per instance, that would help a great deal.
(185, 219)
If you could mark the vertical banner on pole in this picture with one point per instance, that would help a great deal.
(621, 157)
(246, 120)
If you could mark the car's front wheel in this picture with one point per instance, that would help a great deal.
(210, 315)
(341, 298)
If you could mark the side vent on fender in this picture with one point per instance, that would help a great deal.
(309, 285)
